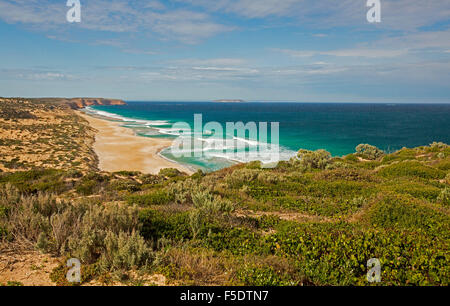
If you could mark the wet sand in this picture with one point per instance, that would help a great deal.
(119, 149)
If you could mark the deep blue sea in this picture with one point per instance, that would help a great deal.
(335, 127)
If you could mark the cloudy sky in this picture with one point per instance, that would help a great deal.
(283, 50)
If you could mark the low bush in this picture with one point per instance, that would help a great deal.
(268, 221)
(237, 241)
(158, 197)
(400, 211)
(181, 191)
(313, 159)
(413, 169)
(351, 174)
(369, 152)
(35, 181)
(211, 205)
(444, 196)
(401, 155)
(337, 254)
(91, 183)
(438, 146)
(417, 190)
(79, 230)
(124, 185)
(169, 173)
(125, 251)
(265, 276)
(157, 224)
(241, 177)
(351, 158)
(443, 165)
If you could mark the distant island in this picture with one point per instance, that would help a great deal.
(229, 101)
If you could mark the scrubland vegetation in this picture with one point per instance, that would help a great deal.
(40, 133)
(314, 220)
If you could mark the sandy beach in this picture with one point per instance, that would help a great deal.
(119, 149)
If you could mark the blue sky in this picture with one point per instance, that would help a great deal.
(283, 50)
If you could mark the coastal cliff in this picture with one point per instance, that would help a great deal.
(78, 103)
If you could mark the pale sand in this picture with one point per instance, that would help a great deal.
(119, 149)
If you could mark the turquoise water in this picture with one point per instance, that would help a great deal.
(338, 128)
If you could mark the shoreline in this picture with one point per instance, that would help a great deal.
(119, 149)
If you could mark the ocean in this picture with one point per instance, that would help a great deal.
(335, 127)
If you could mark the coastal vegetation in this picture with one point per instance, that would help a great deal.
(40, 133)
(313, 220)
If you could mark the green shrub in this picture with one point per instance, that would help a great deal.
(149, 179)
(321, 206)
(444, 196)
(264, 276)
(181, 191)
(269, 178)
(241, 177)
(87, 243)
(34, 181)
(397, 211)
(401, 155)
(253, 165)
(124, 185)
(369, 152)
(211, 205)
(125, 251)
(207, 207)
(351, 158)
(417, 190)
(338, 188)
(337, 254)
(13, 284)
(443, 165)
(351, 174)
(438, 146)
(268, 221)
(314, 159)
(30, 216)
(413, 169)
(127, 173)
(198, 175)
(169, 173)
(91, 183)
(159, 197)
(237, 241)
(63, 228)
(87, 187)
(157, 224)
(196, 222)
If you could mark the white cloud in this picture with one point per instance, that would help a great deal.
(36, 75)
(389, 47)
(396, 14)
(357, 52)
(211, 62)
(119, 16)
(190, 24)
